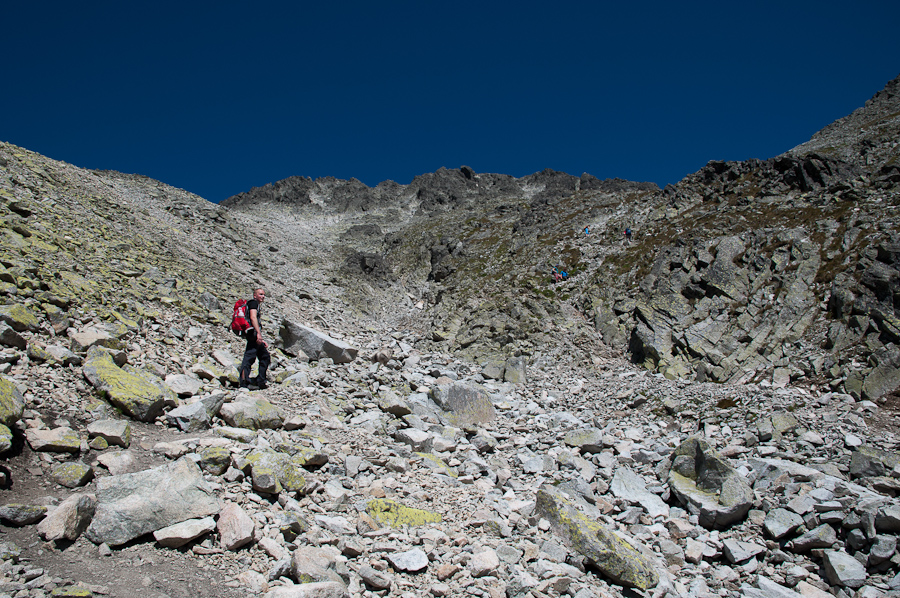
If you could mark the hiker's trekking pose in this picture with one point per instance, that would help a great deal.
(257, 348)
(627, 234)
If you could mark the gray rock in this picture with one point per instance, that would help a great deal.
(272, 471)
(707, 485)
(68, 520)
(630, 486)
(235, 527)
(483, 563)
(6, 439)
(316, 345)
(18, 514)
(374, 578)
(314, 565)
(175, 536)
(843, 570)
(766, 588)
(251, 412)
(118, 462)
(327, 589)
(409, 560)
(822, 536)
(417, 440)
(515, 372)
(882, 550)
(587, 440)
(737, 552)
(198, 415)
(780, 523)
(57, 440)
(183, 385)
(116, 432)
(463, 405)
(133, 504)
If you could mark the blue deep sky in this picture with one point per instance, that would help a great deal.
(219, 97)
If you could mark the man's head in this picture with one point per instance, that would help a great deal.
(259, 295)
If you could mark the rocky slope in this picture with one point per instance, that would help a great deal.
(775, 270)
(688, 414)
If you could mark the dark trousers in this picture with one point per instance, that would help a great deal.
(253, 352)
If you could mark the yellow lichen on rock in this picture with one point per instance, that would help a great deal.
(393, 514)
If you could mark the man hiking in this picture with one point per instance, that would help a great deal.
(257, 348)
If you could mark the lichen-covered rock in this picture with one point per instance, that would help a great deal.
(393, 514)
(254, 413)
(214, 459)
(708, 485)
(57, 440)
(134, 394)
(19, 318)
(6, 439)
(19, 514)
(613, 555)
(72, 474)
(12, 403)
(272, 471)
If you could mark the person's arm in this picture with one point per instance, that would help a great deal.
(254, 321)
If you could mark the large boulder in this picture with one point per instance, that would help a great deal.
(611, 553)
(133, 392)
(133, 504)
(314, 344)
(708, 485)
(463, 405)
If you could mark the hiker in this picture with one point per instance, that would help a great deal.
(257, 348)
(587, 230)
(557, 277)
(627, 234)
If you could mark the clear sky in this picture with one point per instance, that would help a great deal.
(219, 97)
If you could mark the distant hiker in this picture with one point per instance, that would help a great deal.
(557, 277)
(587, 230)
(627, 234)
(563, 275)
(257, 348)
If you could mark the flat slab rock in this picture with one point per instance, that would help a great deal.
(133, 504)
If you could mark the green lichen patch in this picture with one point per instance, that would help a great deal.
(393, 514)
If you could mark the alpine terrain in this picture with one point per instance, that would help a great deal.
(705, 404)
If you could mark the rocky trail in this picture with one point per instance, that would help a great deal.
(440, 420)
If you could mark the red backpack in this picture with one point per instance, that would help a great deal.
(240, 319)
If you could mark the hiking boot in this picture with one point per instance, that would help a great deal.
(245, 384)
(261, 384)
